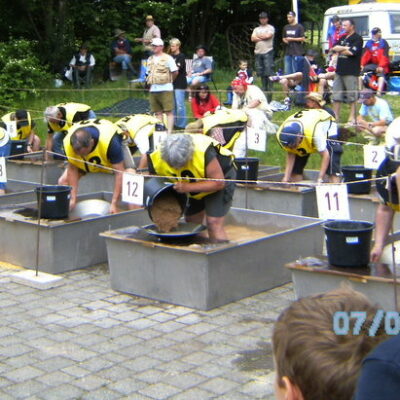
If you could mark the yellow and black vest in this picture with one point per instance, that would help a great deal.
(158, 70)
(24, 131)
(231, 121)
(308, 119)
(98, 155)
(70, 110)
(195, 168)
(135, 123)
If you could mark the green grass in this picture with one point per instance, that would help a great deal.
(105, 94)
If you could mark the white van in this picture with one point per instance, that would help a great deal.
(366, 17)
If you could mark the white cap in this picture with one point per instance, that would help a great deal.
(157, 42)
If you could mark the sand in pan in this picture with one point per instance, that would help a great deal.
(166, 212)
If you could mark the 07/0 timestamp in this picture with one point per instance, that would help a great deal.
(389, 319)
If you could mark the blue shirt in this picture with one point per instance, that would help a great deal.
(379, 111)
(380, 372)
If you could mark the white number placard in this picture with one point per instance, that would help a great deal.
(256, 139)
(132, 188)
(158, 137)
(373, 156)
(3, 174)
(11, 128)
(332, 202)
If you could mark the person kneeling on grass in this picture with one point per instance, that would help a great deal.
(189, 156)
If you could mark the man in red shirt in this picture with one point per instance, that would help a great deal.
(376, 58)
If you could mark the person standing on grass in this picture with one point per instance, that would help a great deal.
(263, 37)
(180, 83)
(293, 37)
(161, 72)
(345, 85)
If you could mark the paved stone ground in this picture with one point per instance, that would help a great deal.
(83, 340)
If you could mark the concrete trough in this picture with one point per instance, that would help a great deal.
(205, 276)
(64, 244)
(30, 169)
(299, 200)
(376, 281)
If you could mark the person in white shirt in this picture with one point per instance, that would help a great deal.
(82, 64)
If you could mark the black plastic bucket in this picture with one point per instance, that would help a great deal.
(17, 147)
(157, 187)
(247, 168)
(353, 173)
(54, 201)
(348, 243)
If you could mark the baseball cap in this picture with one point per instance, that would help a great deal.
(376, 30)
(157, 42)
(263, 14)
(365, 95)
(289, 134)
(22, 117)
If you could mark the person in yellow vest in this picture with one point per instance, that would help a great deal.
(161, 72)
(138, 131)
(226, 126)
(60, 118)
(198, 156)
(24, 129)
(388, 194)
(306, 132)
(98, 143)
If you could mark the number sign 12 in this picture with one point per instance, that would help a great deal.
(132, 188)
(373, 156)
(333, 202)
(3, 175)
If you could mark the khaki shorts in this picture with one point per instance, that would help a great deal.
(345, 88)
(161, 101)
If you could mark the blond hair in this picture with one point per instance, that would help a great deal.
(322, 364)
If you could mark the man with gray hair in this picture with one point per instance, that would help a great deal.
(193, 159)
(59, 119)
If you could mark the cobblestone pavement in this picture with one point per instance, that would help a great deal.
(84, 340)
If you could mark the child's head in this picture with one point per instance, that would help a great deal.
(314, 363)
(243, 64)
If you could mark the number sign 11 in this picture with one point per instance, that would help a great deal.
(333, 202)
(132, 188)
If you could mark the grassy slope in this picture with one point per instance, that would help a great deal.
(108, 93)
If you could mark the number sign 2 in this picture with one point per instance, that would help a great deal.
(132, 188)
(3, 175)
(373, 156)
(333, 202)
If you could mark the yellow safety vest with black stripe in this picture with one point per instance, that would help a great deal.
(308, 119)
(134, 123)
(196, 166)
(70, 110)
(229, 121)
(98, 155)
(24, 131)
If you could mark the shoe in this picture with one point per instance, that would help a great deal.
(275, 78)
(287, 103)
(227, 103)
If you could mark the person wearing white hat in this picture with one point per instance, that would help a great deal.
(161, 72)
